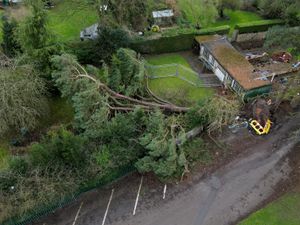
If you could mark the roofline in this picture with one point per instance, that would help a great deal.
(246, 89)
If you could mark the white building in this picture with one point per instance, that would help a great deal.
(230, 66)
(163, 17)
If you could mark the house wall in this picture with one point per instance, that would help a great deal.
(227, 80)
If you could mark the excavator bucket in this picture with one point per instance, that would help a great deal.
(259, 129)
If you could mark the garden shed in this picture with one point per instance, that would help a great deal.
(163, 17)
(89, 32)
(231, 67)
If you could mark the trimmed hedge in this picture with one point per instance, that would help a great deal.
(173, 40)
(257, 26)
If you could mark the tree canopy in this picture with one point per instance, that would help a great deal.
(22, 98)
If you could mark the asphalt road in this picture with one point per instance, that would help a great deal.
(221, 198)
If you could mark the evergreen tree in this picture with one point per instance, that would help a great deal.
(127, 73)
(9, 44)
(162, 156)
(36, 40)
(108, 42)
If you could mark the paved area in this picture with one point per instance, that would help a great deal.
(220, 198)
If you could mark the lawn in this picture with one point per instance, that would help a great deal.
(237, 16)
(67, 19)
(284, 211)
(174, 89)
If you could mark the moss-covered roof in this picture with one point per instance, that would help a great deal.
(234, 63)
(205, 38)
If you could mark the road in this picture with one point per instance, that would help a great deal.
(218, 198)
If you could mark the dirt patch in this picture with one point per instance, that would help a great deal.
(19, 12)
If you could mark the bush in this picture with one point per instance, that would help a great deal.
(84, 51)
(7, 180)
(196, 151)
(59, 148)
(174, 40)
(94, 51)
(18, 165)
(257, 26)
(193, 118)
(282, 37)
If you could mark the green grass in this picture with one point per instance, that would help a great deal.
(237, 16)
(174, 89)
(284, 211)
(67, 19)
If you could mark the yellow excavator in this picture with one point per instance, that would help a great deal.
(261, 122)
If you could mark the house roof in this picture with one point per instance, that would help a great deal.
(233, 62)
(163, 13)
(205, 38)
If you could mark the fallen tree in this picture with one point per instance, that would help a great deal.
(77, 72)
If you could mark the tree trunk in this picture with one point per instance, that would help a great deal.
(221, 12)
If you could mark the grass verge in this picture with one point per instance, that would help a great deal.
(284, 211)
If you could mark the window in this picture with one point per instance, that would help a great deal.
(205, 53)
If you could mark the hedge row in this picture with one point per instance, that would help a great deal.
(45, 210)
(257, 26)
(174, 40)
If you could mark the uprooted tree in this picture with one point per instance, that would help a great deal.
(116, 111)
(71, 76)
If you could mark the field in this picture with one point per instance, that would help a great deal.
(67, 19)
(237, 16)
(284, 211)
(174, 89)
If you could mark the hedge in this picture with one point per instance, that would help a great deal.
(257, 26)
(173, 40)
(47, 209)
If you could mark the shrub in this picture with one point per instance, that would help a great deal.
(18, 165)
(283, 37)
(94, 51)
(9, 44)
(197, 151)
(194, 119)
(257, 26)
(84, 51)
(174, 40)
(59, 148)
(7, 180)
